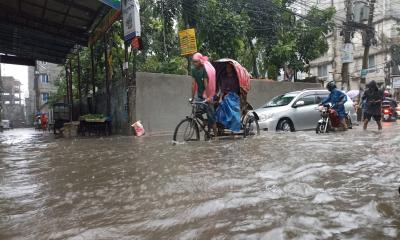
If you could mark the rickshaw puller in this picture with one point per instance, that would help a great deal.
(199, 85)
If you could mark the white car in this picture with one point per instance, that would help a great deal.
(296, 111)
(5, 124)
(398, 110)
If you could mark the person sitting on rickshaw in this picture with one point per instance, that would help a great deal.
(203, 86)
(229, 82)
(228, 112)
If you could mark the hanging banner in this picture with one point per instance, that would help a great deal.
(347, 53)
(131, 19)
(116, 4)
(105, 24)
(364, 73)
(187, 40)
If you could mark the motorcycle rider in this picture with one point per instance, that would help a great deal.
(392, 102)
(337, 99)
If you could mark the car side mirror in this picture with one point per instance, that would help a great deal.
(299, 104)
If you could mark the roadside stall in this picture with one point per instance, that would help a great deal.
(95, 124)
(61, 115)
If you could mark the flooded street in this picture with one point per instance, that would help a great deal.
(276, 186)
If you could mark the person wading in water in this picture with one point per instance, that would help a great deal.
(373, 97)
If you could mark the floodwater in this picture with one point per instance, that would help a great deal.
(275, 186)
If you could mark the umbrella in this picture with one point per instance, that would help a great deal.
(353, 93)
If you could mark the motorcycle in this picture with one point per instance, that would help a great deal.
(388, 112)
(330, 119)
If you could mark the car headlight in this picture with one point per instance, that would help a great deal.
(266, 117)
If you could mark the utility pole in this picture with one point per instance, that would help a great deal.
(71, 93)
(334, 66)
(369, 34)
(67, 82)
(36, 87)
(107, 74)
(93, 72)
(347, 40)
(79, 83)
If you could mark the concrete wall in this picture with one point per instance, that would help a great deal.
(162, 100)
(118, 102)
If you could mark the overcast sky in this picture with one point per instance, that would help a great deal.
(18, 72)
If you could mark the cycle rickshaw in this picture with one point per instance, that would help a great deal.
(189, 129)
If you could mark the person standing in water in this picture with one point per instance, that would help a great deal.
(43, 121)
(373, 99)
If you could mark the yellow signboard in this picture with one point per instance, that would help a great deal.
(187, 39)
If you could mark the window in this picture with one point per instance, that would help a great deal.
(280, 101)
(44, 78)
(45, 97)
(394, 31)
(323, 71)
(321, 97)
(371, 64)
(43, 62)
(308, 100)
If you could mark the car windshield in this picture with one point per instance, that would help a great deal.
(279, 101)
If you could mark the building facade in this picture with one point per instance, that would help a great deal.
(328, 67)
(11, 92)
(11, 102)
(46, 74)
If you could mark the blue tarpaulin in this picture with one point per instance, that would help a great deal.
(116, 4)
(228, 112)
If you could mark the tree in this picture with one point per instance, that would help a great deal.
(301, 39)
(262, 35)
(221, 31)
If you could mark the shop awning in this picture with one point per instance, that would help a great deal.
(47, 30)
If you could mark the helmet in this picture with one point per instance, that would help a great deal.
(331, 85)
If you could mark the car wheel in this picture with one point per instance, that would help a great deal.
(285, 125)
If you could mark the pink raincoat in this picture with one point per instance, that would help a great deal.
(211, 87)
(242, 73)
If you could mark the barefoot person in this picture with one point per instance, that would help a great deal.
(373, 98)
(43, 121)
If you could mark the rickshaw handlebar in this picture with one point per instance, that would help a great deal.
(193, 101)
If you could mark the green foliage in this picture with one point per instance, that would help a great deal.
(221, 31)
(262, 35)
(302, 41)
(61, 85)
(176, 65)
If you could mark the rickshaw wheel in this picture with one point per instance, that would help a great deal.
(250, 126)
(187, 130)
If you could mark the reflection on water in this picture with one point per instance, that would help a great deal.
(276, 186)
